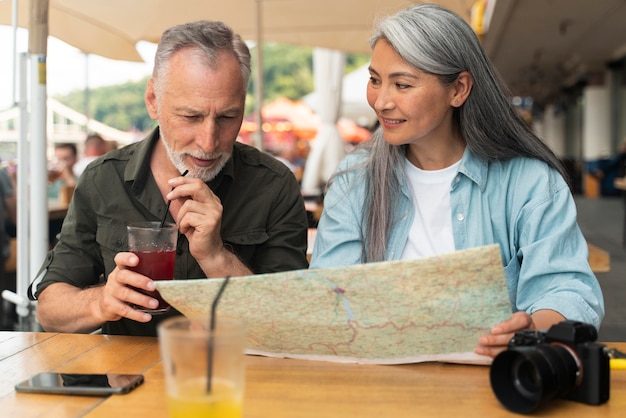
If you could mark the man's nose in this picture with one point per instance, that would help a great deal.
(207, 137)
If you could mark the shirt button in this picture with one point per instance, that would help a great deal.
(460, 217)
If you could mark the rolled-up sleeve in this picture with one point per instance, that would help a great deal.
(554, 271)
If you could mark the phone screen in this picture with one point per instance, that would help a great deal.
(80, 384)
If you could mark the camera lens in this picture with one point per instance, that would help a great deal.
(523, 378)
(526, 380)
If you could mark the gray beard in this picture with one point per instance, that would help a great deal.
(205, 174)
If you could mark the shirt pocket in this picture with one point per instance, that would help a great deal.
(112, 238)
(245, 243)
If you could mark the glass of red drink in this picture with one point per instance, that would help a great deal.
(155, 245)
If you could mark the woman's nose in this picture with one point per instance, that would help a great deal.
(382, 100)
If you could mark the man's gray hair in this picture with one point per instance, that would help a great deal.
(210, 38)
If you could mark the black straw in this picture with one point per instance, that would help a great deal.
(169, 202)
(211, 332)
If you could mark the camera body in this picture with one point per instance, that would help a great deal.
(562, 362)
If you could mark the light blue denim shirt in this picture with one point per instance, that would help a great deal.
(522, 204)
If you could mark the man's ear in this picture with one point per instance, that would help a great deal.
(151, 101)
(462, 87)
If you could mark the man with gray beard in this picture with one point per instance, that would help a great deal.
(239, 211)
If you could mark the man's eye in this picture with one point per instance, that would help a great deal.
(374, 81)
(402, 86)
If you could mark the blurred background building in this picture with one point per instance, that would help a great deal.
(565, 61)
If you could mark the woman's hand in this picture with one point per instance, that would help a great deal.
(498, 340)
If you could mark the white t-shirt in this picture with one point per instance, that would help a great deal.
(431, 231)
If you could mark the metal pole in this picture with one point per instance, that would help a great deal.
(38, 40)
(14, 27)
(22, 271)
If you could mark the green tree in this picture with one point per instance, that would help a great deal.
(120, 106)
(287, 72)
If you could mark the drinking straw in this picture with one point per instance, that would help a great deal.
(169, 202)
(211, 332)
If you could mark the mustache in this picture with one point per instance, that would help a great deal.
(203, 155)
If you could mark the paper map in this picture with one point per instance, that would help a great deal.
(387, 313)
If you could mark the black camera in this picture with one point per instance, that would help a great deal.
(563, 362)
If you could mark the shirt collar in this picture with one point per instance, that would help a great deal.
(138, 167)
(474, 168)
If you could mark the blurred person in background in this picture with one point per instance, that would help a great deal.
(61, 168)
(8, 215)
(94, 147)
(61, 182)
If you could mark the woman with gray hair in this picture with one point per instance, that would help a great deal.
(452, 166)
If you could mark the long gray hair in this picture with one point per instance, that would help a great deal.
(211, 38)
(437, 41)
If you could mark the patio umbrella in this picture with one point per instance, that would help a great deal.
(328, 148)
(111, 28)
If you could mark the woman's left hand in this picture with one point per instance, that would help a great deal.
(501, 334)
(498, 340)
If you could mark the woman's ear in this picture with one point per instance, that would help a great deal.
(461, 88)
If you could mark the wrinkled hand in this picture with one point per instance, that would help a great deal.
(199, 216)
(498, 340)
(118, 294)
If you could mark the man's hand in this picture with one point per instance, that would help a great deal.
(199, 216)
(198, 213)
(93, 306)
(119, 293)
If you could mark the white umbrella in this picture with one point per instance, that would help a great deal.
(328, 147)
(354, 104)
(111, 28)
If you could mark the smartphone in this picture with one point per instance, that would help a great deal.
(80, 384)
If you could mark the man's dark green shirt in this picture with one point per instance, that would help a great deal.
(263, 222)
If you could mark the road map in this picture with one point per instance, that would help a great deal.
(430, 309)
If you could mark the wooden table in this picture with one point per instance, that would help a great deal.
(274, 387)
